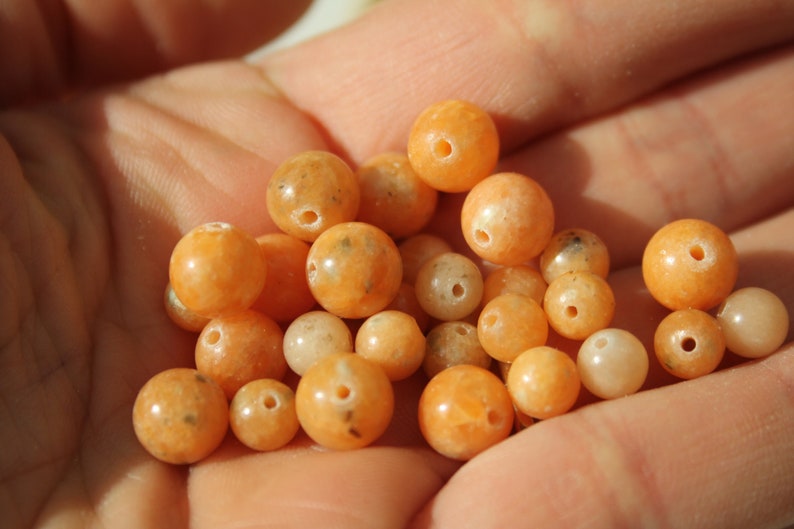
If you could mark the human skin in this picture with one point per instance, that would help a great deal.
(630, 113)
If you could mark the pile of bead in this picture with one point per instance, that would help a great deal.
(353, 296)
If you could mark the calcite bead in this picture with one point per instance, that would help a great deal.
(755, 322)
(612, 363)
(180, 416)
(417, 250)
(578, 304)
(690, 263)
(464, 410)
(574, 250)
(516, 279)
(689, 343)
(453, 343)
(344, 401)
(392, 340)
(314, 335)
(543, 382)
(262, 415)
(286, 294)
(449, 286)
(510, 324)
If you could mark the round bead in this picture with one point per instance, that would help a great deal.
(543, 382)
(689, 343)
(180, 416)
(755, 322)
(262, 415)
(344, 401)
(453, 145)
(453, 343)
(310, 192)
(182, 316)
(575, 250)
(579, 303)
(417, 250)
(464, 410)
(449, 286)
(392, 340)
(517, 279)
(217, 269)
(314, 335)
(393, 197)
(612, 363)
(286, 293)
(507, 219)
(510, 324)
(690, 263)
(354, 270)
(237, 349)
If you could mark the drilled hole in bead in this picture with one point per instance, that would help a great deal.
(697, 253)
(600, 343)
(571, 311)
(308, 217)
(212, 337)
(460, 329)
(489, 320)
(481, 237)
(688, 344)
(342, 392)
(270, 402)
(458, 291)
(442, 148)
(311, 271)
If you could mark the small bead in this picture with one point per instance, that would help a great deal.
(453, 145)
(510, 324)
(286, 293)
(393, 197)
(507, 219)
(578, 304)
(262, 415)
(517, 279)
(575, 250)
(755, 322)
(543, 382)
(180, 416)
(182, 316)
(392, 340)
(417, 250)
(690, 263)
(449, 286)
(612, 363)
(217, 269)
(464, 410)
(237, 349)
(344, 401)
(453, 343)
(689, 343)
(315, 335)
(354, 270)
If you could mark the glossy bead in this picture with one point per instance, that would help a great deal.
(393, 197)
(417, 250)
(237, 349)
(449, 286)
(543, 382)
(574, 250)
(182, 316)
(314, 335)
(690, 263)
(286, 294)
(464, 410)
(217, 269)
(310, 192)
(754, 321)
(453, 343)
(689, 343)
(453, 145)
(612, 363)
(517, 279)
(344, 401)
(392, 340)
(510, 324)
(578, 304)
(262, 414)
(354, 270)
(507, 219)
(180, 416)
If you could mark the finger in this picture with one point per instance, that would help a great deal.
(45, 46)
(535, 65)
(710, 453)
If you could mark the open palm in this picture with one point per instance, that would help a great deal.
(630, 116)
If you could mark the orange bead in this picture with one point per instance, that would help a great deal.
(310, 192)
(689, 343)
(464, 410)
(507, 219)
(344, 401)
(612, 363)
(517, 279)
(755, 322)
(417, 250)
(453, 145)
(690, 263)
(180, 416)
(510, 324)
(262, 414)
(237, 349)
(543, 382)
(286, 293)
(449, 286)
(182, 316)
(578, 304)
(217, 269)
(574, 250)
(354, 270)
(314, 335)
(393, 197)
(453, 343)
(392, 340)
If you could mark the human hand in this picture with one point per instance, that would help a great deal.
(630, 115)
